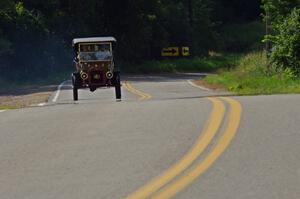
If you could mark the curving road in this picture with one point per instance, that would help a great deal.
(166, 139)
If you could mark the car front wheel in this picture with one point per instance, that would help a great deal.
(75, 93)
(75, 88)
(117, 83)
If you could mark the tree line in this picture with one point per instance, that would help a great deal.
(35, 36)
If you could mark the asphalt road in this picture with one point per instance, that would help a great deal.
(165, 139)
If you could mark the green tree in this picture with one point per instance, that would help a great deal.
(6, 50)
(236, 11)
(276, 10)
(286, 50)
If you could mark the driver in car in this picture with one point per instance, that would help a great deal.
(103, 53)
(84, 55)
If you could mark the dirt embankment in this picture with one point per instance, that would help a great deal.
(204, 84)
(26, 96)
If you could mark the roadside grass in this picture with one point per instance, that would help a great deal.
(7, 107)
(197, 64)
(252, 76)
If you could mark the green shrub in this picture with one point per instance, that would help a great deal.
(286, 51)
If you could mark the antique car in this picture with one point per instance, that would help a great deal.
(95, 66)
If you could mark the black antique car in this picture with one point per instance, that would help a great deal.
(95, 66)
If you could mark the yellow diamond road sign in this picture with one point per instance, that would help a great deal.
(185, 51)
(170, 52)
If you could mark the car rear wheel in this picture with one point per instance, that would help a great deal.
(117, 83)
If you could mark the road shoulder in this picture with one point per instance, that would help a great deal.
(26, 96)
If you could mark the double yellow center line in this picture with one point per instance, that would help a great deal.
(164, 186)
(142, 95)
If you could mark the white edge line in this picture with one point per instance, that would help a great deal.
(197, 86)
(1, 111)
(42, 104)
(58, 92)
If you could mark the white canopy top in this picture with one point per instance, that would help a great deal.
(93, 39)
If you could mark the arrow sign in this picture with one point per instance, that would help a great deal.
(185, 51)
(170, 52)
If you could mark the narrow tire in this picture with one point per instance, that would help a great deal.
(75, 87)
(75, 93)
(117, 83)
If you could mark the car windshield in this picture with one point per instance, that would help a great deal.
(95, 52)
